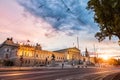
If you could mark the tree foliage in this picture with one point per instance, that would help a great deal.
(113, 61)
(107, 15)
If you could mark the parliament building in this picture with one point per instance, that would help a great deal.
(27, 55)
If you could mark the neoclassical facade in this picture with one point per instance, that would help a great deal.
(28, 55)
(70, 53)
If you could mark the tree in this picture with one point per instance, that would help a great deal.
(107, 15)
(8, 63)
(113, 61)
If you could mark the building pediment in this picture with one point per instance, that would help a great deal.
(74, 49)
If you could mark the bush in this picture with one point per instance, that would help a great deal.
(8, 63)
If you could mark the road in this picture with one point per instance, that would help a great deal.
(58, 74)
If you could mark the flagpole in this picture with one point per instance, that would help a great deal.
(78, 42)
(94, 50)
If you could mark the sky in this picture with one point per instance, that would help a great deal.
(55, 24)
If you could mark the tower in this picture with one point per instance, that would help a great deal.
(86, 53)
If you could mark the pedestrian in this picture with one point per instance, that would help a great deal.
(62, 65)
(72, 65)
(85, 64)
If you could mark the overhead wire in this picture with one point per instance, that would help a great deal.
(70, 11)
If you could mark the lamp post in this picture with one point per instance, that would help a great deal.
(21, 60)
(34, 64)
(46, 61)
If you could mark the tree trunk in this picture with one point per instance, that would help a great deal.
(119, 40)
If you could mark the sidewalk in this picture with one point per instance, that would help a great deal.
(3, 69)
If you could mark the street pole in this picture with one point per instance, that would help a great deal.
(34, 58)
(95, 57)
(78, 42)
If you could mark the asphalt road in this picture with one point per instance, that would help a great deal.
(58, 74)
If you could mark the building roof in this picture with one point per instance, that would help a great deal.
(9, 42)
(64, 50)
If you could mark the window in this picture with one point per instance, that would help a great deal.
(36, 55)
(42, 62)
(25, 61)
(22, 52)
(6, 56)
(39, 62)
(25, 54)
(29, 62)
(7, 50)
(48, 62)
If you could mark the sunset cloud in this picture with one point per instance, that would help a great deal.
(55, 24)
(62, 15)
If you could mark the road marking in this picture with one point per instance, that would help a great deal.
(82, 77)
(44, 76)
(22, 73)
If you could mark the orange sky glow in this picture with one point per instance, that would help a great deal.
(21, 25)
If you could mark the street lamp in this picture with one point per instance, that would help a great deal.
(21, 60)
(46, 61)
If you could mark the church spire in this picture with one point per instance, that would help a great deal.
(86, 53)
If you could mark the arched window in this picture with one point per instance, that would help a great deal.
(7, 50)
(36, 55)
(29, 62)
(25, 61)
(6, 56)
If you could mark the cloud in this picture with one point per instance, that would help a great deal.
(52, 24)
(63, 15)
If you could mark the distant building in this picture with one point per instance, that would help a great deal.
(71, 53)
(28, 55)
